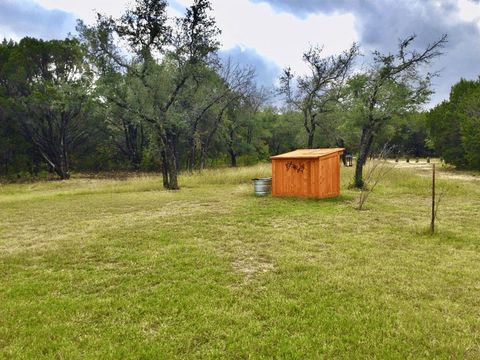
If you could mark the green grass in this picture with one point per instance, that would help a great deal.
(122, 269)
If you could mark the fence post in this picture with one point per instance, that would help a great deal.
(432, 223)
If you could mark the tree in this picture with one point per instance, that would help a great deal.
(280, 131)
(470, 127)
(454, 125)
(315, 94)
(127, 131)
(166, 60)
(47, 83)
(17, 154)
(15, 150)
(393, 85)
(207, 104)
(128, 134)
(410, 135)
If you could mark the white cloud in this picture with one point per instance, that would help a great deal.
(6, 33)
(469, 11)
(87, 9)
(280, 37)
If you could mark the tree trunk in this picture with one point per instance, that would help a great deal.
(61, 169)
(136, 161)
(173, 168)
(135, 143)
(165, 172)
(173, 176)
(62, 173)
(191, 155)
(203, 159)
(166, 141)
(169, 165)
(365, 145)
(311, 137)
(176, 154)
(309, 128)
(233, 158)
(65, 172)
(56, 161)
(343, 157)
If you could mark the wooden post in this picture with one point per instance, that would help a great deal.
(432, 223)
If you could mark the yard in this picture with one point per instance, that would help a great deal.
(119, 268)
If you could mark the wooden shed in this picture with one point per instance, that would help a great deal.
(307, 173)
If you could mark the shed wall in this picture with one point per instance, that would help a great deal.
(318, 177)
(329, 176)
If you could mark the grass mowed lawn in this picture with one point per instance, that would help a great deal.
(122, 269)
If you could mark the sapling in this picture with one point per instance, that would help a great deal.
(376, 172)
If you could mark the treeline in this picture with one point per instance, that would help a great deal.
(148, 92)
(455, 126)
(57, 114)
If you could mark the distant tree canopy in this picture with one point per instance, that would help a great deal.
(148, 92)
(454, 126)
(45, 96)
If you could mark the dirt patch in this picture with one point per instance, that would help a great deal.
(460, 176)
(425, 169)
(252, 266)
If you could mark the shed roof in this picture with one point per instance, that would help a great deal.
(308, 153)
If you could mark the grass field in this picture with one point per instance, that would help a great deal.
(121, 269)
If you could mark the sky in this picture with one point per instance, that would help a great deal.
(272, 34)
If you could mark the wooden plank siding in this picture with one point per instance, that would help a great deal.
(300, 174)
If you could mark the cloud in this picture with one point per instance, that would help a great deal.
(254, 33)
(279, 37)
(26, 18)
(88, 9)
(380, 24)
(266, 70)
(274, 33)
(303, 8)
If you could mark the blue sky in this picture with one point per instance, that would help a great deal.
(272, 34)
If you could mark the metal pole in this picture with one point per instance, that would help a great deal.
(432, 223)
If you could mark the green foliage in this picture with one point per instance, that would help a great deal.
(469, 117)
(150, 95)
(407, 135)
(283, 132)
(394, 84)
(454, 126)
(163, 64)
(317, 94)
(45, 94)
(16, 153)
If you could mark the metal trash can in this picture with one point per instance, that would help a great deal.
(262, 186)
